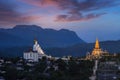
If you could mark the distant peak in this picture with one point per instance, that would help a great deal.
(26, 27)
(65, 30)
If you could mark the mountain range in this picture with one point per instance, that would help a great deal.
(14, 41)
(24, 35)
(81, 49)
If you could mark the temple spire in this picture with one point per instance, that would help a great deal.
(97, 44)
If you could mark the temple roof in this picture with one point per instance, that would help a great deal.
(97, 46)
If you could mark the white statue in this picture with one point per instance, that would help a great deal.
(37, 48)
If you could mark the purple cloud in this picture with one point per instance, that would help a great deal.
(76, 8)
(76, 17)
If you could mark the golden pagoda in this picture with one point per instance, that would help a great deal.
(97, 52)
(97, 44)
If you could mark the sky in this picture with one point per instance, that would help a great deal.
(90, 19)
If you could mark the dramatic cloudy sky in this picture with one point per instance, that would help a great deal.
(88, 18)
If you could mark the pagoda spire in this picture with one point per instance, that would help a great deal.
(97, 46)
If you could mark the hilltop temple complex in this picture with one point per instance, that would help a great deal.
(97, 52)
(35, 53)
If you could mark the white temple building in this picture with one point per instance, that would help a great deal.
(35, 54)
(31, 56)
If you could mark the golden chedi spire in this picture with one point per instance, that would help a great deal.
(97, 52)
(97, 46)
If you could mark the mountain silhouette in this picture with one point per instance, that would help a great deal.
(23, 35)
(14, 41)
